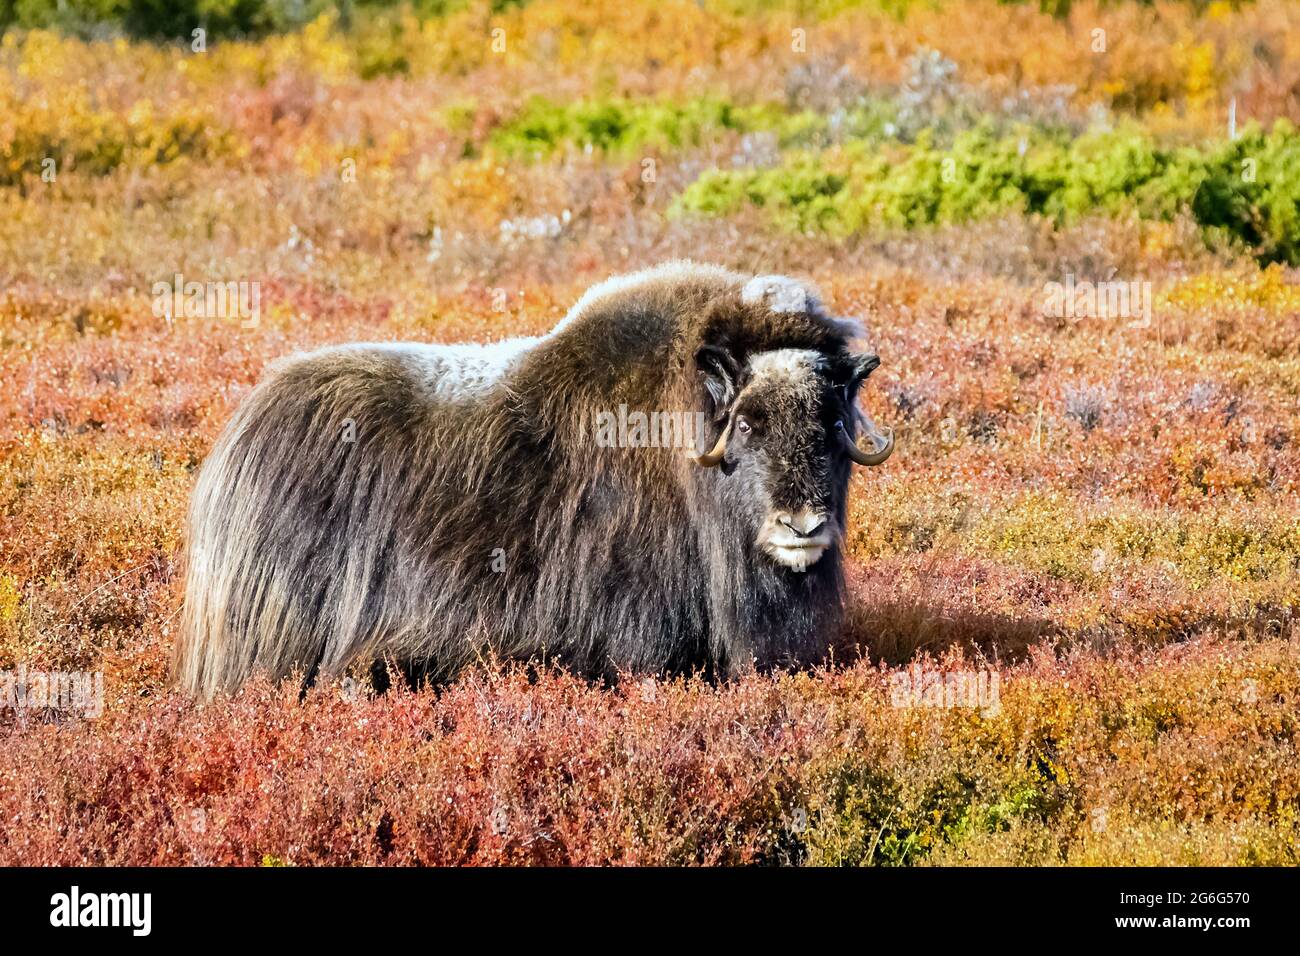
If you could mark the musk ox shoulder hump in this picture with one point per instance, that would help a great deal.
(667, 277)
(780, 294)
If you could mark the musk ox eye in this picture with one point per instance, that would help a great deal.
(743, 426)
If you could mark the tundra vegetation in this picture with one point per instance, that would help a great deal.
(1091, 518)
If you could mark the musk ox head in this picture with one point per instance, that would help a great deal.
(789, 425)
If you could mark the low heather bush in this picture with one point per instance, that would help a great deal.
(1059, 760)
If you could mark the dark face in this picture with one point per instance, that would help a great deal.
(786, 465)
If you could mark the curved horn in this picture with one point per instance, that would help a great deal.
(714, 458)
(876, 457)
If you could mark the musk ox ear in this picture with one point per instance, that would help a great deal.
(720, 373)
(864, 363)
(854, 371)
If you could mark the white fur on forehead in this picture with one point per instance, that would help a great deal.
(784, 294)
(794, 365)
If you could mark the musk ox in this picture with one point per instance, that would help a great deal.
(432, 505)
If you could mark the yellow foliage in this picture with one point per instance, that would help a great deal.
(10, 597)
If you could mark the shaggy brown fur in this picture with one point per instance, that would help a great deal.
(472, 512)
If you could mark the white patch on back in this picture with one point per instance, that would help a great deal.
(781, 294)
(458, 372)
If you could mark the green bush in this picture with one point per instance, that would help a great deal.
(543, 126)
(1245, 189)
